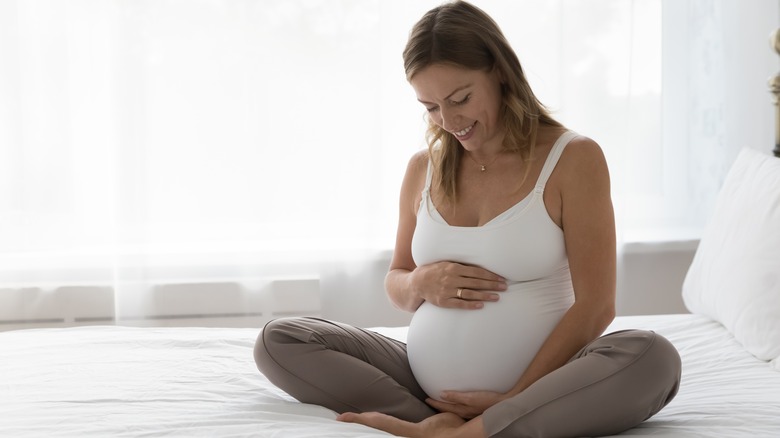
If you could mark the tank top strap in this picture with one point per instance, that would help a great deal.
(428, 176)
(552, 159)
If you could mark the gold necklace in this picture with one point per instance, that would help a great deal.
(483, 167)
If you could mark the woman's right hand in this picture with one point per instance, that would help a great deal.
(454, 285)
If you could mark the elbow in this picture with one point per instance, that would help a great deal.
(598, 315)
(397, 294)
(607, 316)
(603, 315)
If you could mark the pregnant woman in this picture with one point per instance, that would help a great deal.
(505, 253)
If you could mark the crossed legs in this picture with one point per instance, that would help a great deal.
(611, 385)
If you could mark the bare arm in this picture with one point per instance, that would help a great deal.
(588, 222)
(398, 280)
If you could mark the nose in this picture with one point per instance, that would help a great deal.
(447, 119)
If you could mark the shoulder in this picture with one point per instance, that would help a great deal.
(419, 160)
(417, 167)
(414, 179)
(583, 148)
(583, 160)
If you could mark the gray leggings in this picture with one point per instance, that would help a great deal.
(612, 384)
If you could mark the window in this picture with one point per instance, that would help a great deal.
(152, 128)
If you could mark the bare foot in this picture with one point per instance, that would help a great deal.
(438, 425)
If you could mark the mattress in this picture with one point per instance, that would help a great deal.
(135, 382)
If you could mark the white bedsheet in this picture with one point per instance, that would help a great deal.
(120, 381)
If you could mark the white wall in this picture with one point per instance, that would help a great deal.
(353, 292)
(650, 277)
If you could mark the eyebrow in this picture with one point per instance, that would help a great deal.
(450, 95)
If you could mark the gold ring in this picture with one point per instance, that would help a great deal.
(460, 293)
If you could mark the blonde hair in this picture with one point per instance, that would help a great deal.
(463, 35)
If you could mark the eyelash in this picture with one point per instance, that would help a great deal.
(460, 102)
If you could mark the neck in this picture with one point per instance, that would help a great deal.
(483, 162)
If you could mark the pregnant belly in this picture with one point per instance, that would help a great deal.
(486, 349)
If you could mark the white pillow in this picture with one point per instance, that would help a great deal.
(735, 274)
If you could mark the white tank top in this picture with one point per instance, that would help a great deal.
(488, 349)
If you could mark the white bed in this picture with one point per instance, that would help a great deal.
(121, 381)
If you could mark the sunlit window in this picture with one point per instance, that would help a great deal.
(170, 127)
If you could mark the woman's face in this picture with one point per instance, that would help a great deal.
(464, 102)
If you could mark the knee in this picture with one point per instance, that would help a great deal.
(649, 369)
(270, 340)
(664, 357)
(662, 367)
(647, 351)
(660, 354)
(656, 362)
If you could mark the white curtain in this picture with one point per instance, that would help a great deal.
(152, 140)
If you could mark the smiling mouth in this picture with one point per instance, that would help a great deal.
(465, 130)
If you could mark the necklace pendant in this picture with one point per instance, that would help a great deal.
(483, 168)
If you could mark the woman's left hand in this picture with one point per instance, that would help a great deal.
(468, 404)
